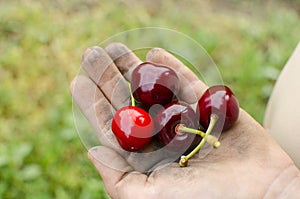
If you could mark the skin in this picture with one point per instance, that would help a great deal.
(248, 164)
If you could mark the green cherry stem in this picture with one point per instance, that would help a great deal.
(212, 140)
(131, 96)
(184, 159)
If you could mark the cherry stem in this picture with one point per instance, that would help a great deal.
(212, 140)
(131, 96)
(184, 159)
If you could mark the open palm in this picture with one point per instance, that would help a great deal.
(244, 166)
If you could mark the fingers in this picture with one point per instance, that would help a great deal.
(102, 70)
(117, 175)
(95, 107)
(191, 87)
(106, 74)
(123, 58)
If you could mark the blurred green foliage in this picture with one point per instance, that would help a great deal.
(41, 42)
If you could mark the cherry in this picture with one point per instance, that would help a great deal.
(221, 101)
(154, 84)
(166, 121)
(133, 128)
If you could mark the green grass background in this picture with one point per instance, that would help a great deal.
(41, 43)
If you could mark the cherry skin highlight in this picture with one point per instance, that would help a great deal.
(154, 84)
(221, 101)
(166, 121)
(133, 128)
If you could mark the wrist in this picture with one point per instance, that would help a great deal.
(285, 185)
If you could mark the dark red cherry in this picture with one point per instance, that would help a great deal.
(154, 84)
(177, 112)
(133, 128)
(220, 100)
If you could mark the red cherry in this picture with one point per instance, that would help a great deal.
(133, 128)
(154, 84)
(166, 121)
(221, 101)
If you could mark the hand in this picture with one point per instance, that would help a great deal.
(248, 164)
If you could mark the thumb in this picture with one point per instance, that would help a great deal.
(119, 178)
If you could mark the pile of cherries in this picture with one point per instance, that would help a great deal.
(159, 114)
